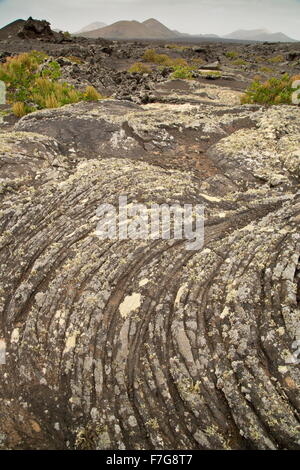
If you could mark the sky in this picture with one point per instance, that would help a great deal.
(188, 16)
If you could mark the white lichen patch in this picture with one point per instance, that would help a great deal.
(130, 304)
(15, 336)
(210, 198)
(180, 293)
(71, 342)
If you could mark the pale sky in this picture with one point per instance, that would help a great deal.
(188, 16)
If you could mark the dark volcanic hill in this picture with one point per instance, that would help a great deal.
(30, 29)
(11, 29)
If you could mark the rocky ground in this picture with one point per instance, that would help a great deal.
(136, 344)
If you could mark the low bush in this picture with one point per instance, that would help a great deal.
(91, 94)
(210, 73)
(74, 59)
(276, 59)
(239, 62)
(139, 67)
(177, 47)
(150, 55)
(184, 73)
(231, 54)
(19, 109)
(153, 57)
(272, 92)
(258, 59)
(31, 86)
(266, 70)
(196, 63)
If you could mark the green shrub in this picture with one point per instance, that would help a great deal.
(273, 91)
(176, 47)
(211, 73)
(150, 55)
(19, 109)
(239, 62)
(276, 59)
(179, 62)
(258, 58)
(153, 57)
(52, 71)
(265, 70)
(139, 67)
(195, 63)
(231, 54)
(182, 72)
(91, 94)
(76, 60)
(19, 74)
(31, 87)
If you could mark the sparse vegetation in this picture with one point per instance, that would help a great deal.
(265, 70)
(184, 73)
(239, 62)
(19, 109)
(272, 92)
(150, 55)
(139, 67)
(231, 54)
(34, 84)
(276, 59)
(153, 57)
(195, 63)
(211, 73)
(91, 94)
(181, 68)
(258, 59)
(176, 47)
(74, 59)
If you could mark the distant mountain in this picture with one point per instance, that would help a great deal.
(158, 29)
(259, 35)
(206, 36)
(91, 27)
(210, 35)
(149, 29)
(178, 34)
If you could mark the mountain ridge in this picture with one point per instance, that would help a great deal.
(259, 35)
(124, 29)
(154, 29)
(92, 27)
